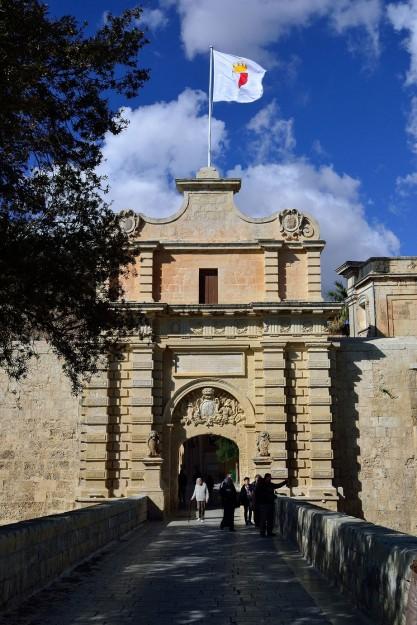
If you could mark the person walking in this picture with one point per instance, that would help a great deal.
(182, 487)
(229, 500)
(265, 497)
(246, 499)
(201, 495)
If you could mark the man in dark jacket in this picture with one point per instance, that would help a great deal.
(265, 497)
(246, 499)
(228, 495)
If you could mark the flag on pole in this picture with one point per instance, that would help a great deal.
(236, 79)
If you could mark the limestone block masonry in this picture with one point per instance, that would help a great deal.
(35, 552)
(40, 442)
(375, 429)
(368, 563)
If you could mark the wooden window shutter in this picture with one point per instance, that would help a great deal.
(208, 286)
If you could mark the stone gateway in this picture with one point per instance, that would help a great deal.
(236, 345)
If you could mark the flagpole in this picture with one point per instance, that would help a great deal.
(210, 106)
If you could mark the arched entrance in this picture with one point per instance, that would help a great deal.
(213, 410)
(209, 456)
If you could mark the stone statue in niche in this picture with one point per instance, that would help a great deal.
(154, 444)
(210, 406)
(262, 443)
(294, 224)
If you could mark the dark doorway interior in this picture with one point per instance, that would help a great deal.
(208, 286)
(210, 457)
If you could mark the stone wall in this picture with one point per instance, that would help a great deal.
(368, 563)
(40, 442)
(375, 439)
(33, 553)
(240, 276)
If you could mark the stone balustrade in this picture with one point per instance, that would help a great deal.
(33, 553)
(369, 563)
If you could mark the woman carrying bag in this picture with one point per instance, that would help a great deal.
(201, 495)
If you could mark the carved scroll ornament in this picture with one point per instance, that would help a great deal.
(210, 406)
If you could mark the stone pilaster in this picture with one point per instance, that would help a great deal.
(153, 483)
(104, 462)
(140, 413)
(298, 424)
(94, 436)
(271, 259)
(314, 274)
(146, 272)
(274, 408)
(321, 455)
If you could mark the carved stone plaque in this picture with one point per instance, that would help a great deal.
(210, 364)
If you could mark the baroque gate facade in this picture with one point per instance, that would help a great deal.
(234, 343)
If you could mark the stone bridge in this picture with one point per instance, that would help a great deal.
(106, 565)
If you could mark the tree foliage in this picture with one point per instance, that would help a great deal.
(61, 245)
(226, 450)
(339, 294)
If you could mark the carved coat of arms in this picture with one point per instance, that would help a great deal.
(294, 224)
(210, 407)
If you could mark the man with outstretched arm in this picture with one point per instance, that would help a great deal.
(265, 497)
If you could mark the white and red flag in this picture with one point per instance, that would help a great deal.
(236, 79)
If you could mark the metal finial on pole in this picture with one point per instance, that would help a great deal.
(210, 107)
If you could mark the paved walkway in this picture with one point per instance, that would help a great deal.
(186, 573)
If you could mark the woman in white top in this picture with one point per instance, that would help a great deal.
(201, 495)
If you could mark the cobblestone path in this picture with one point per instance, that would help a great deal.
(186, 573)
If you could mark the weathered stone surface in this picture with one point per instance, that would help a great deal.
(40, 442)
(369, 563)
(375, 438)
(35, 552)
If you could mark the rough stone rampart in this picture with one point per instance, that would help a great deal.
(368, 563)
(33, 553)
(374, 392)
(40, 441)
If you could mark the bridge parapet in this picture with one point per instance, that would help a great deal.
(35, 552)
(369, 563)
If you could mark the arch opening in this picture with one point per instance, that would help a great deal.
(209, 456)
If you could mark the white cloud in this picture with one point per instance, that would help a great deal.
(169, 139)
(331, 198)
(162, 141)
(274, 136)
(403, 16)
(153, 19)
(411, 127)
(365, 14)
(407, 185)
(248, 27)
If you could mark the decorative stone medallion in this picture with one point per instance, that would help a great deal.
(210, 406)
(294, 224)
(129, 222)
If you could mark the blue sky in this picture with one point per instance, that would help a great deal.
(334, 135)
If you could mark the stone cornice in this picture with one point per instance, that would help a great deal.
(251, 309)
(208, 184)
(375, 277)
